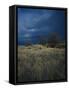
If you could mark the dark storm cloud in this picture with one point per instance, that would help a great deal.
(34, 22)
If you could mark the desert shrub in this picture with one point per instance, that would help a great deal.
(61, 45)
(38, 46)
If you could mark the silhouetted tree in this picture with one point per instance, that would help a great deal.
(53, 39)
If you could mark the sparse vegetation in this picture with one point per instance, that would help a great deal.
(39, 62)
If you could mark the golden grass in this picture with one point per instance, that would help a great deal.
(37, 62)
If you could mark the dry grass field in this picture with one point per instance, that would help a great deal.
(37, 62)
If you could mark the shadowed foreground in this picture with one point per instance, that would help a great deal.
(38, 62)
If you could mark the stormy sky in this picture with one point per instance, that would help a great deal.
(33, 23)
